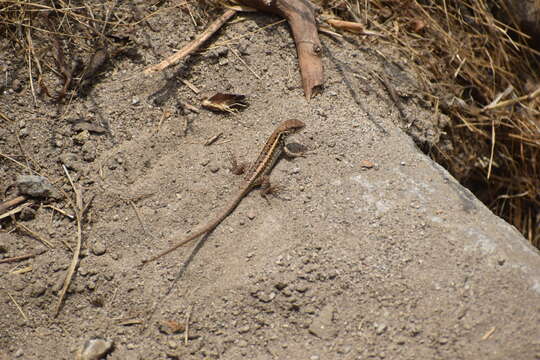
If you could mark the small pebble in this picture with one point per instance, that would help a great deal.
(380, 328)
(16, 85)
(81, 137)
(242, 343)
(27, 214)
(243, 329)
(322, 325)
(99, 248)
(94, 349)
(37, 290)
(34, 186)
(366, 164)
(251, 215)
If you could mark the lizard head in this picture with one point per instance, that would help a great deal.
(291, 126)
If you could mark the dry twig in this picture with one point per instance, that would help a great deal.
(192, 46)
(79, 208)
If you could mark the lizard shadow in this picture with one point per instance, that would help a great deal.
(178, 276)
(187, 262)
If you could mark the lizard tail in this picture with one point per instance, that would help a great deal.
(207, 228)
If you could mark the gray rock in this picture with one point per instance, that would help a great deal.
(94, 349)
(99, 248)
(34, 186)
(380, 328)
(70, 160)
(86, 126)
(27, 214)
(322, 325)
(37, 290)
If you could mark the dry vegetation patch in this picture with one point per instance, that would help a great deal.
(480, 71)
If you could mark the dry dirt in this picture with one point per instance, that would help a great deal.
(394, 261)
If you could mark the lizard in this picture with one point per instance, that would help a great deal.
(257, 175)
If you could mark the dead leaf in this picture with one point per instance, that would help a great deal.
(173, 327)
(230, 103)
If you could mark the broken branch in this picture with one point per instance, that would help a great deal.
(300, 15)
(192, 46)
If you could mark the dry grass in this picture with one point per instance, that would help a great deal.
(481, 73)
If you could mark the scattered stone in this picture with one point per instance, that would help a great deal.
(70, 160)
(58, 285)
(380, 328)
(16, 85)
(172, 344)
(86, 126)
(219, 52)
(243, 329)
(244, 47)
(135, 100)
(18, 353)
(94, 349)
(302, 287)
(81, 138)
(83, 270)
(242, 343)
(214, 168)
(91, 285)
(99, 248)
(37, 290)
(366, 164)
(251, 215)
(443, 340)
(27, 213)
(18, 284)
(309, 309)
(89, 151)
(266, 297)
(322, 325)
(171, 327)
(280, 285)
(34, 186)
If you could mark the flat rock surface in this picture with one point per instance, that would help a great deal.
(393, 260)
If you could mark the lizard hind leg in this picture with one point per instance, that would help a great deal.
(236, 167)
(267, 188)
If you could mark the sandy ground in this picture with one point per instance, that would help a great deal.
(370, 250)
